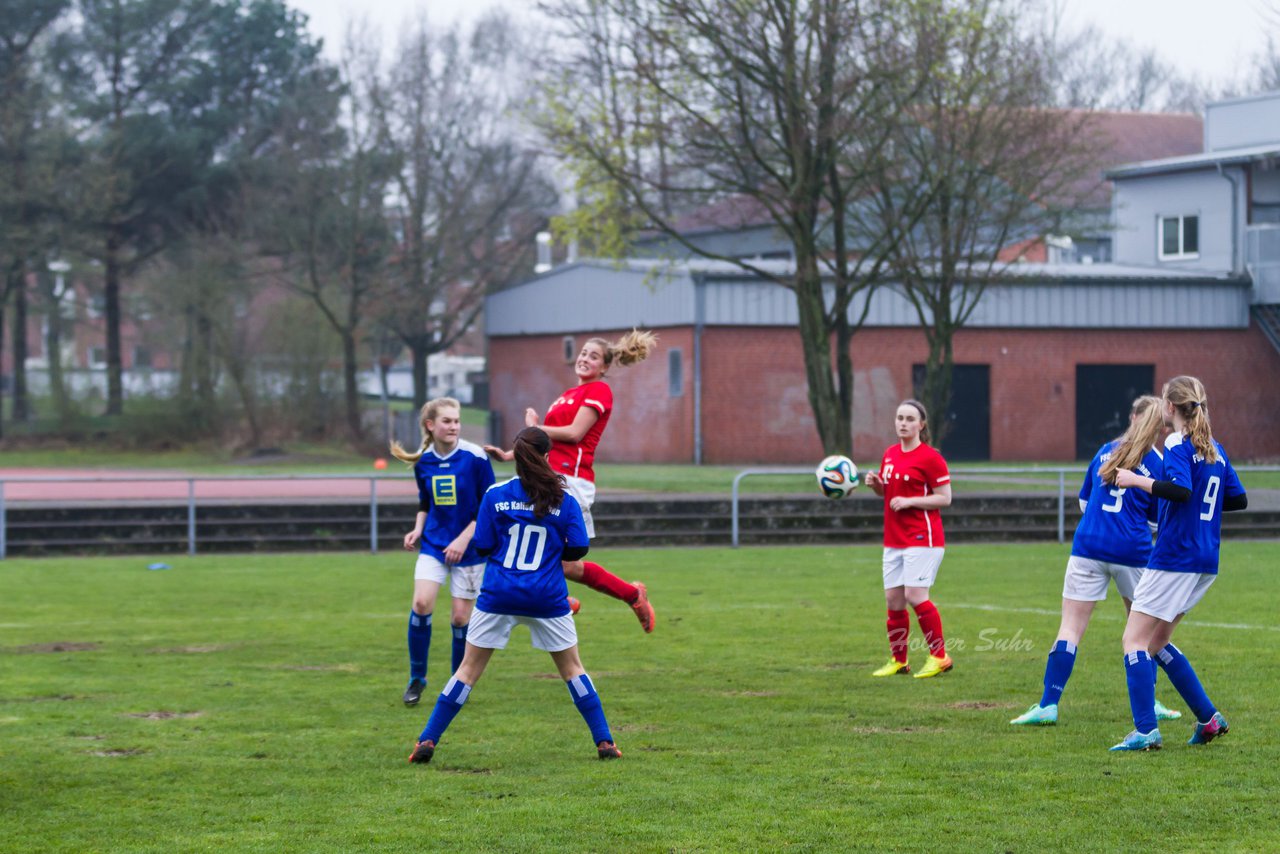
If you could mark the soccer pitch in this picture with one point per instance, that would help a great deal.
(253, 703)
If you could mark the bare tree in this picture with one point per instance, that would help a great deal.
(778, 111)
(998, 170)
(467, 193)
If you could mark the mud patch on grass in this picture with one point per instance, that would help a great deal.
(885, 730)
(638, 728)
(751, 693)
(323, 668)
(192, 650)
(464, 771)
(57, 646)
(163, 716)
(116, 753)
(45, 699)
(980, 705)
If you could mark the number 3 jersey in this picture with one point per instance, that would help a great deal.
(449, 490)
(1191, 531)
(1116, 525)
(523, 575)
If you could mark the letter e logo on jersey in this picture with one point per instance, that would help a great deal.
(444, 490)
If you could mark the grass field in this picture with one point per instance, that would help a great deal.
(253, 704)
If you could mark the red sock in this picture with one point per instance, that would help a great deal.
(598, 578)
(931, 626)
(899, 626)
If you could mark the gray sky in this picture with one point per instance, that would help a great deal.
(1211, 45)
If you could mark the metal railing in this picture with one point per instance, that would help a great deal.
(191, 499)
(1061, 473)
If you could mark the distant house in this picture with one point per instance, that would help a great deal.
(1177, 277)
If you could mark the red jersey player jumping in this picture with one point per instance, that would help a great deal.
(575, 423)
(915, 484)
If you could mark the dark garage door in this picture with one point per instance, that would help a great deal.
(1104, 394)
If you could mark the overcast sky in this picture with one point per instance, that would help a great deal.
(1210, 45)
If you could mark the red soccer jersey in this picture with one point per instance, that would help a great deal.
(913, 473)
(576, 459)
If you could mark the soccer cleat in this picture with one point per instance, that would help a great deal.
(893, 667)
(1140, 741)
(1164, 713)
(608, 750)
(1038, 715)
(413, 693)
(1206, 733)
(574, 605)
(423, 751)
(642, 608)
(934, 666)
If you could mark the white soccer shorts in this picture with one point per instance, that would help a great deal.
(585, 492)
(492, 631)
(1087, 579)
(464, 581)
(1164, 595)
(913, 567)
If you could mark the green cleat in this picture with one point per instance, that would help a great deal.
(1037, 715)
(1140, 741)
(1164, 713)
(892, 668)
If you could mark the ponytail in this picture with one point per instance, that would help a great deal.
(1191, 402)
(1144, 426)
(543, 486)
(635, 346)
(429, 412)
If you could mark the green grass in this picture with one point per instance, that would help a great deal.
(252, 703)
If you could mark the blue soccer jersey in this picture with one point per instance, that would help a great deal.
(523, 575)
(451, 486)
(1115, 526)
(1191, 531)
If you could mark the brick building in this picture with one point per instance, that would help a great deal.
(1046, 367)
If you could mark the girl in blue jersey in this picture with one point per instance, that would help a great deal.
(526, 527)
(1111, 543)
(1197, 486)
(452, 475)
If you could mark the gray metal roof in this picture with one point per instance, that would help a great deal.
(1226, 157)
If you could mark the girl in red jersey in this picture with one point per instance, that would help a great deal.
(915, 484)
(575, 422)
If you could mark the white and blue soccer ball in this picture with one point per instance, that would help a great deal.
(837, 476)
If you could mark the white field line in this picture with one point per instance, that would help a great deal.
(1248, 627)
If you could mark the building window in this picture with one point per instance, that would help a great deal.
(675, 372)
(570, 351)
(1179, 237)
(97, 357)
(141, 358)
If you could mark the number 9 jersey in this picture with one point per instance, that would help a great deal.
(1114, 527)
(1191, 531)
(523, 575)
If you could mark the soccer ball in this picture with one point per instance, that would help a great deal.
(837, 476)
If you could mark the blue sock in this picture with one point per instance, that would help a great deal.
(459, 646)
(1142, 691)
(588, 703)
(448, 704)
(419, 644)
(1184, 679)
(1057, 670)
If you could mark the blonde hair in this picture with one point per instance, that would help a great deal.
(635, 346)
(1191, 402)
(924, 417)
(429, 412)
(1144, 427)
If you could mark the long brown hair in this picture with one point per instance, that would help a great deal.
(1145, 424)
(543, 486)
(430, 412)
(635, 346)
(1191, 401)
(924, 417)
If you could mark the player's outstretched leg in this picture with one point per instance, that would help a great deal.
(1057, 670)
(931, 627)
(1209, 722)
(1142, 701)
(634, 594)
(898, 625)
